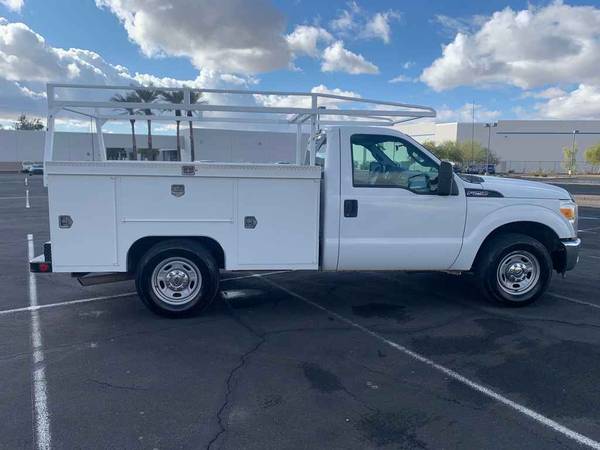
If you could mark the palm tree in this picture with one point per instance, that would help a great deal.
(194, 98)
(130, 97)
(175, 97)
(148, 95)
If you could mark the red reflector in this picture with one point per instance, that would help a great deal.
(44, 267)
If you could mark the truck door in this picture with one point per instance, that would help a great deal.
(391, 215)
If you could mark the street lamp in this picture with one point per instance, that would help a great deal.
(489, 126)
(573, 153)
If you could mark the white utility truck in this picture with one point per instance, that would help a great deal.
(360, 196)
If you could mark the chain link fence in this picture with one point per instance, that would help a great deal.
(543, 167)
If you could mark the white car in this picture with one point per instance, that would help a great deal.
(36, 169)
(25, 166)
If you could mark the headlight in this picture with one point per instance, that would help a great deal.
(569, 212)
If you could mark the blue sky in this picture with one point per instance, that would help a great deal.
(514, 59)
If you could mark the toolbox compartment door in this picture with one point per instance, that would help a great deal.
(87, 238)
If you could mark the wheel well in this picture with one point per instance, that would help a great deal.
(543, 233)
(141, 246)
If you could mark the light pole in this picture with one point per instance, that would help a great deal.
(489, 126)
(573, 153)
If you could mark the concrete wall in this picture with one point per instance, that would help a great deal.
(215, 145)
(245, 146)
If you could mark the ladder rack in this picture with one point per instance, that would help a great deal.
(310, 110)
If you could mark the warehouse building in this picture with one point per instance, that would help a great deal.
(523, 146)
(210, 145)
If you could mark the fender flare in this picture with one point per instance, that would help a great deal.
(506, 215)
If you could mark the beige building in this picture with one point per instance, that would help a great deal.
(521, 145)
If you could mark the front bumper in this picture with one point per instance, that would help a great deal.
(571, 252)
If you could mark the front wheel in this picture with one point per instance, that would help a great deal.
(177, 278)
(514, 269)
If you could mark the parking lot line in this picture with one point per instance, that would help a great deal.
(65, 303)
(20, 197)
(37, 307)
(567, 432)
(573, 300)
(40, 397)
(27, 198)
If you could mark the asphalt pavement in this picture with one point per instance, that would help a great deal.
(293, 360)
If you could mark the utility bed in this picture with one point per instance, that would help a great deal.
(105, 207)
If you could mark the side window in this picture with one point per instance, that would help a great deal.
(388, 161)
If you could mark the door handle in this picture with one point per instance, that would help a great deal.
(350, 208)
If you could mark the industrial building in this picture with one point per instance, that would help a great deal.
(523, 146)
(210, 145)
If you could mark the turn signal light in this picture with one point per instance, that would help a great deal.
(568, 212)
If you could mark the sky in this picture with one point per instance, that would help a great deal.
(511, 59)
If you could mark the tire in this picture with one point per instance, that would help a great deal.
(514, 269)
(177, 278)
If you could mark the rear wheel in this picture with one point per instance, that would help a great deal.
(514, 269)
(177, 278)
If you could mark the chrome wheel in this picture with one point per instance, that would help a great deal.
(518, 272)
(176, 281)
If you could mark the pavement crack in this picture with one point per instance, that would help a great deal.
(117, 386)
(261, 336)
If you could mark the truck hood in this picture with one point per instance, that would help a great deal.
(515, 188)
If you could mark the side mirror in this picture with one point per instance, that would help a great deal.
(445, 178)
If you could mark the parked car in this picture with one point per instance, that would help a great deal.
(357, 198)
(36, 169)
(26, 165)
(479, 169)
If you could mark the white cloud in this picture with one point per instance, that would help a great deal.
(13, 5)
(308, 40)
(379, 26)
(353, 22)
(294, 101)
(346, 20)
(27, 63)
(465, 114)
(557, 43)
(236, 36)
(581, 103)
(401, 79)
(305, 39)
(336, 58)
(551, 92)
(408, 64)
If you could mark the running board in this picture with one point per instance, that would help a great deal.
(91, 279)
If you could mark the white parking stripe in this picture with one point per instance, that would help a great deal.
(110, 297)
(27, 198)
(452, 374)
(573, 300)
(40, 397)
(20, 197)
(68, 302)
(254, 275)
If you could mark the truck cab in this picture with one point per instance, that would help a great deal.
(393, 215)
